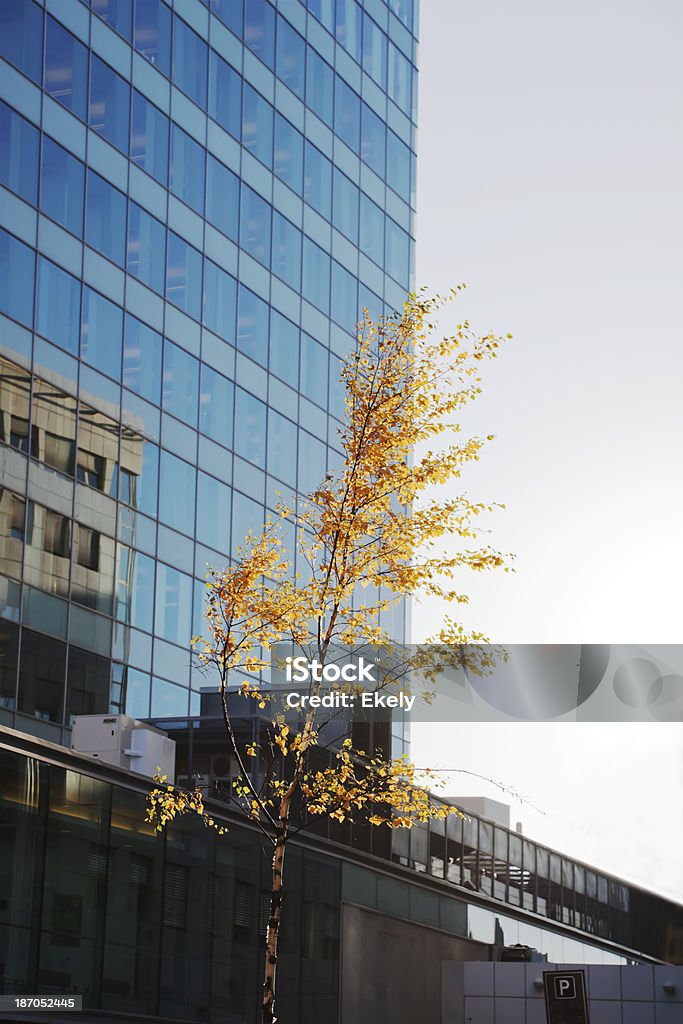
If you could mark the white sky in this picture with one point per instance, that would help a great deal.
(551, 181)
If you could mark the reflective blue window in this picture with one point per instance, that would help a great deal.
(176, 493)
(347, 114)
(220, 301)
(316, 275)
(18, 154)
(319, 86)
(222, 197)
(323, 10)
(216, 406)
(153, 33)
(337, 405)
(225, 95)
(403, 9)
(255, 223)
(173, 612)
(109, 112)
(66, 68)
(348, 33)
(250, 428)
(345, 206)
(397, 253)
(371, 240)
(146, 240)
(246, 515)
(289, 154)
(252, 326)
(17, 276)
(373, 141)
(312, 462)
(284, 349)
(101, 333)
(142, 360)
(134, 588)
(291, 57)
(257, 125)
(117, 13)
(143, 487)
(314, 370)
(368, 300)
(398, 166)
(105, 218)
(374, 51)
(281, 448)
(59, 306)
(213, 512)
(149, 138)
(190, 62)
(259, 30)
(21, 36)
(180, 383)
(184, 276)
(286, 258)
(230, 12)
(318, 181)
(62, 184)
(344, 301)
(399, 79)
(187, 169)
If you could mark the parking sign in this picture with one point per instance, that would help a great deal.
(565, 997)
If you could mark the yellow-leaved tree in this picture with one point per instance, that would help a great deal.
(378, 522)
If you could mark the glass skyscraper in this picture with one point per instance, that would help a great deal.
(197, 201)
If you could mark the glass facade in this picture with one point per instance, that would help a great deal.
(197, 200)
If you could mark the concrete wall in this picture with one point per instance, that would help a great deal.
(502, 993)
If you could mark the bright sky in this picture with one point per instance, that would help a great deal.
(551, 181)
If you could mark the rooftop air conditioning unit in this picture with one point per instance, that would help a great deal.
(123, 741)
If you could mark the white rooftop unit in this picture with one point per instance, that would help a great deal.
(123, 741)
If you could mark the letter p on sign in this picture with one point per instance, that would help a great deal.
(565, 988)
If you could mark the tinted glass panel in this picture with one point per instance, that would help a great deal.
(184, 276)
(289, 154)
(291, 57)
(187, 169)
(146, 241)
(259, 30)
(153, 33)
(105, 218)
(176, 494)
(18, 154)
(216, 406)
(316, 275)
(66, 68)
(284, 348)
(21, 36)
(257, 125)
(62, 185)
(213, 512)
(190, 62)
(142, 359)
(252, 326)
(255, 225)
(250, 428)
(220, 301)
(222, 197)
(319, 87)
(58, 306)
(281, 448)
(109, 104)
(173, 615)
(373, 141)
(230, 12)
(318, 181)
(180, 383)
(286, 258)
(347, 114)
(149, 138)
(101, 333)
(225, 95)
(374, 51)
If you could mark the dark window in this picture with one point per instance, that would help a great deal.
(21, 35)
(109, 104)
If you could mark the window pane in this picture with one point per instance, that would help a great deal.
(252, 326)
(213, 513)
(403, 9)
(17, 274)
(373, 141)
(18, 154)
(21, 36)
(371, 230)
(216, 406)
(314, 368)
(54, 414)
(134, 588)
(284, 348)
(291, 57)
(289, 154)
(230, 12)
(66, 69)
(101, 331)
(257, 125)
(109, 104)
(318, 181)
(146, 239)
(374, 51)
(399, 79)
(105, 218)
(187, 169)
(180, 383)
(250, 428)
(176, 494)
(398, 166)
(153, 33)
(286, 259)
(344, 302)
(220, 301)
(222, 198)
(117, 13)
(225, 95)
(345, 206)
(281, 448)
(259, 30)
(184, 276)
(142, 360)
(173, 617)
(149, 138)
(190, 62)
(316, 275)
(347, 114)
(41, 677)
(312, 454)
(319, 86)
(323, 10)
(58, 310)
(397, 253)
(255, 225)
(62, 186)
(349, 27)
